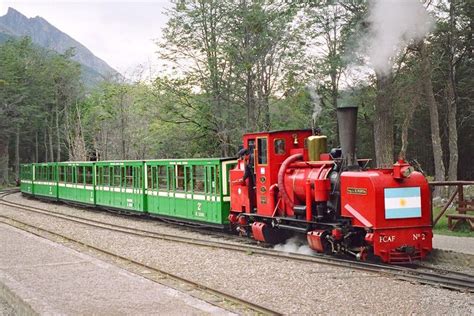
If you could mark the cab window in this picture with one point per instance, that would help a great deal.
(262, 151)
(279, 147)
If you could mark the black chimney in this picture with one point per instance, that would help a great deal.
(347, 121)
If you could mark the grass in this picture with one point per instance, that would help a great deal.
(442, 225)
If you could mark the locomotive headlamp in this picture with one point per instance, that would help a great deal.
(401, 170)
(407, 171)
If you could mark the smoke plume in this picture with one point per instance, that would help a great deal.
(393, 24)
(294, 245)
(316, 104)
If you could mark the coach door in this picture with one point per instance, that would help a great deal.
(138, 196)
(212, 192)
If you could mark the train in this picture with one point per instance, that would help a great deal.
(283, 183)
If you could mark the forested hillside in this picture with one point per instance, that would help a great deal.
(252, 65)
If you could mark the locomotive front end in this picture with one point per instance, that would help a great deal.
(394, 212)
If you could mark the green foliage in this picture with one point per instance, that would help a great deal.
(35, 86)
(230, 68)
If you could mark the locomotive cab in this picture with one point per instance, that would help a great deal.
(270, 149)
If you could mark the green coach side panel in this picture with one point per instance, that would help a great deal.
(26, 178)
(190, 189)
(45, 180)
(119, 184)
(76, 182)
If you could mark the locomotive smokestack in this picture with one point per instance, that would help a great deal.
(347, 121)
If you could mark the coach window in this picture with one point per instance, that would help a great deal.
(128, 177)
(149, 176)
(80, 175)
(117, 177)
(262, 151)
(62, 175)
(189, 179)
(89, 178)
(214, 180)
(180, 179)
(69, 174)
(198, 175)
(162, 178)
(104, 175)
(217, 181)
(99, 176)
(279, 145)
(137, 184)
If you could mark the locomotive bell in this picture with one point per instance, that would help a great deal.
(347, 121)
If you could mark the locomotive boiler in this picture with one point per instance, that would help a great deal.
(341, 206)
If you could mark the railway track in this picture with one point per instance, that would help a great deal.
(418, 274)
(213, 296)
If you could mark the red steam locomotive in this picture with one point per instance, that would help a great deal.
(296, 187)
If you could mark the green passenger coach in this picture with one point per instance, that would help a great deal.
(45, 180)
(191, 189)
(76, 182)
(119, 185)
(26, 176)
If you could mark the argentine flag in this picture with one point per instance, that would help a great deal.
(402, 202)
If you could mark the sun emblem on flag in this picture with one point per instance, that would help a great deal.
(403, 202)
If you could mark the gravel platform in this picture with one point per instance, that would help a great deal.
(284, 285)
(453, 243)
(55, 280)
(5, 308)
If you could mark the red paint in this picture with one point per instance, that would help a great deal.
(321, 190)
(285, 178)
(281, 180)
(369, 238)
(239, 201)
(232, 218)
(257, 231)
(337, 233)
(362, 198)
(242, 221)
(309, 202)
(315, 240)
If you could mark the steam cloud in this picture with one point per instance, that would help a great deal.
(316, 104)
(393, 25)
(294, 245)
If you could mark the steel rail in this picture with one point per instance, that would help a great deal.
(251, 307)
(442, 278)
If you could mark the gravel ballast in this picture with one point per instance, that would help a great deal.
(5, 308)
(287, 286)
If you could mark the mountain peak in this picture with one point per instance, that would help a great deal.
(14, 16)
(12, 12)
(48, 36)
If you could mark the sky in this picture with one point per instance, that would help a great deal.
(120, 32)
